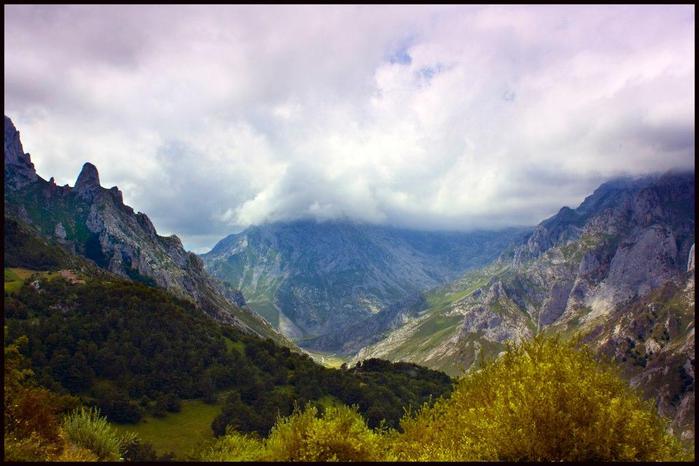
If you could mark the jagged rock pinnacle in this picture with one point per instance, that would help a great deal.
(19, 169)
(690, 261)
(88, 180)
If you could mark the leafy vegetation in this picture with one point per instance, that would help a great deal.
(132, 350)
(87, 429)
(336, 433)
(179, 434)
(546, 400)
(33, 430)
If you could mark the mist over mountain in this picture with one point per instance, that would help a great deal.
(444, 117)
(617, 271)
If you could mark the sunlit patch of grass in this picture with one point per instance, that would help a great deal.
(331, 360)
(180, 433)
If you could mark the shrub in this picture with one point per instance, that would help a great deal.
(136, 450)
(31, 429)
(74, 453)
(235, 446)
(338, 434)
(30, 448)
(87, 429)
(544, 401)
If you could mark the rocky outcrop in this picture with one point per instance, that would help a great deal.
(642, 263)
(652, 339)
(690, 261)
(19, 169)
(585, 271)
(88, 182)
(94, 222)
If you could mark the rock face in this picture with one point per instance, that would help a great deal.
(19, 169)
(652, 338)
(323, 278)
(690, 261)
(94, 222)
(88, 182)
(618, 270)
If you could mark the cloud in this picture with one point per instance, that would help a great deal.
(212, 118)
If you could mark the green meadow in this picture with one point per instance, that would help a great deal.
(181, 433)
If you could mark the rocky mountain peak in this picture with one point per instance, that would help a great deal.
(19, 169)
(690, 261)
(88, 180)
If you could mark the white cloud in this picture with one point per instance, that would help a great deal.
(213, 118)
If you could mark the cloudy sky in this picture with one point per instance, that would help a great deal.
(213, 118)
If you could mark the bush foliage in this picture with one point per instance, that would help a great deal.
(87, 429)
(336, 433)
(543, 401)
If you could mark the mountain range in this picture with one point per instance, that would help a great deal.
(616, 272)
(312, 278)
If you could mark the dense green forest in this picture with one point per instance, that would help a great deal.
(130, 349)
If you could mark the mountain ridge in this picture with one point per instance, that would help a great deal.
(588, 271)
(93, 221)
(321, 276)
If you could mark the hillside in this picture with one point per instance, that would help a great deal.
(139, 352)
(312, 278)
(590, 271)
(93, 222)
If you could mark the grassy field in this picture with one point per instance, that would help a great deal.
(181, 433)
(15, 277)
(266, 310)
(328, 359)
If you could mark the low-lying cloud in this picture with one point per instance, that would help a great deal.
(213, 118)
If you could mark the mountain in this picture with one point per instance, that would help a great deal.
(618, 272)
(94, 222)
(311, 278)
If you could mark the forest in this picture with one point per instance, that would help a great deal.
(128, 349)
(546, 400)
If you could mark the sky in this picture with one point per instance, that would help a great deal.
(214, 118)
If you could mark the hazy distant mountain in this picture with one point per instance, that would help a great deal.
(311, 278)
(92, 221)
(618, 270)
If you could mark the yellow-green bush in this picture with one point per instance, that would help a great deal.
(235, 446)
(337, 434)
(87, 429)
(544, 401)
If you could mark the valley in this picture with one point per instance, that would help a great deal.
(185, 352)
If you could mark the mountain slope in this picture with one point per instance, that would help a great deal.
(133, 350)
(92, 221)
(309, 278)
(587, 271)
